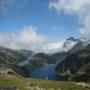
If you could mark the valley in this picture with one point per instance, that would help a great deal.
(65, 70)
(44, 44)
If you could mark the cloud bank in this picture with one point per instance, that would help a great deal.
(29, 39)
(80, 8)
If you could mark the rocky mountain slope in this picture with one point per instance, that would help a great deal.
(76, 64)
(73, 59)
(8, 56)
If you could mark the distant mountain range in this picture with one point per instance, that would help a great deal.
(8, 56)
(73, 61)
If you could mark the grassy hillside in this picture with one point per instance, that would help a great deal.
(33, 84)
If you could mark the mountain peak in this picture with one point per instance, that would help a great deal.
(70, 42)
(72, 39)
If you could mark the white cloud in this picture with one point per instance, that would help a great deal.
(81, 8)
(29, 39)
(53, 47)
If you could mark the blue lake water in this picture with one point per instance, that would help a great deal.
(45, 72)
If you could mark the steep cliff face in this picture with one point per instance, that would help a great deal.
(76, 62)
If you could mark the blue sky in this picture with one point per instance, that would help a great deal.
(54, 19)
(38, 14)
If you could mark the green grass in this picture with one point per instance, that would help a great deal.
(22, 83)
(3, 68)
